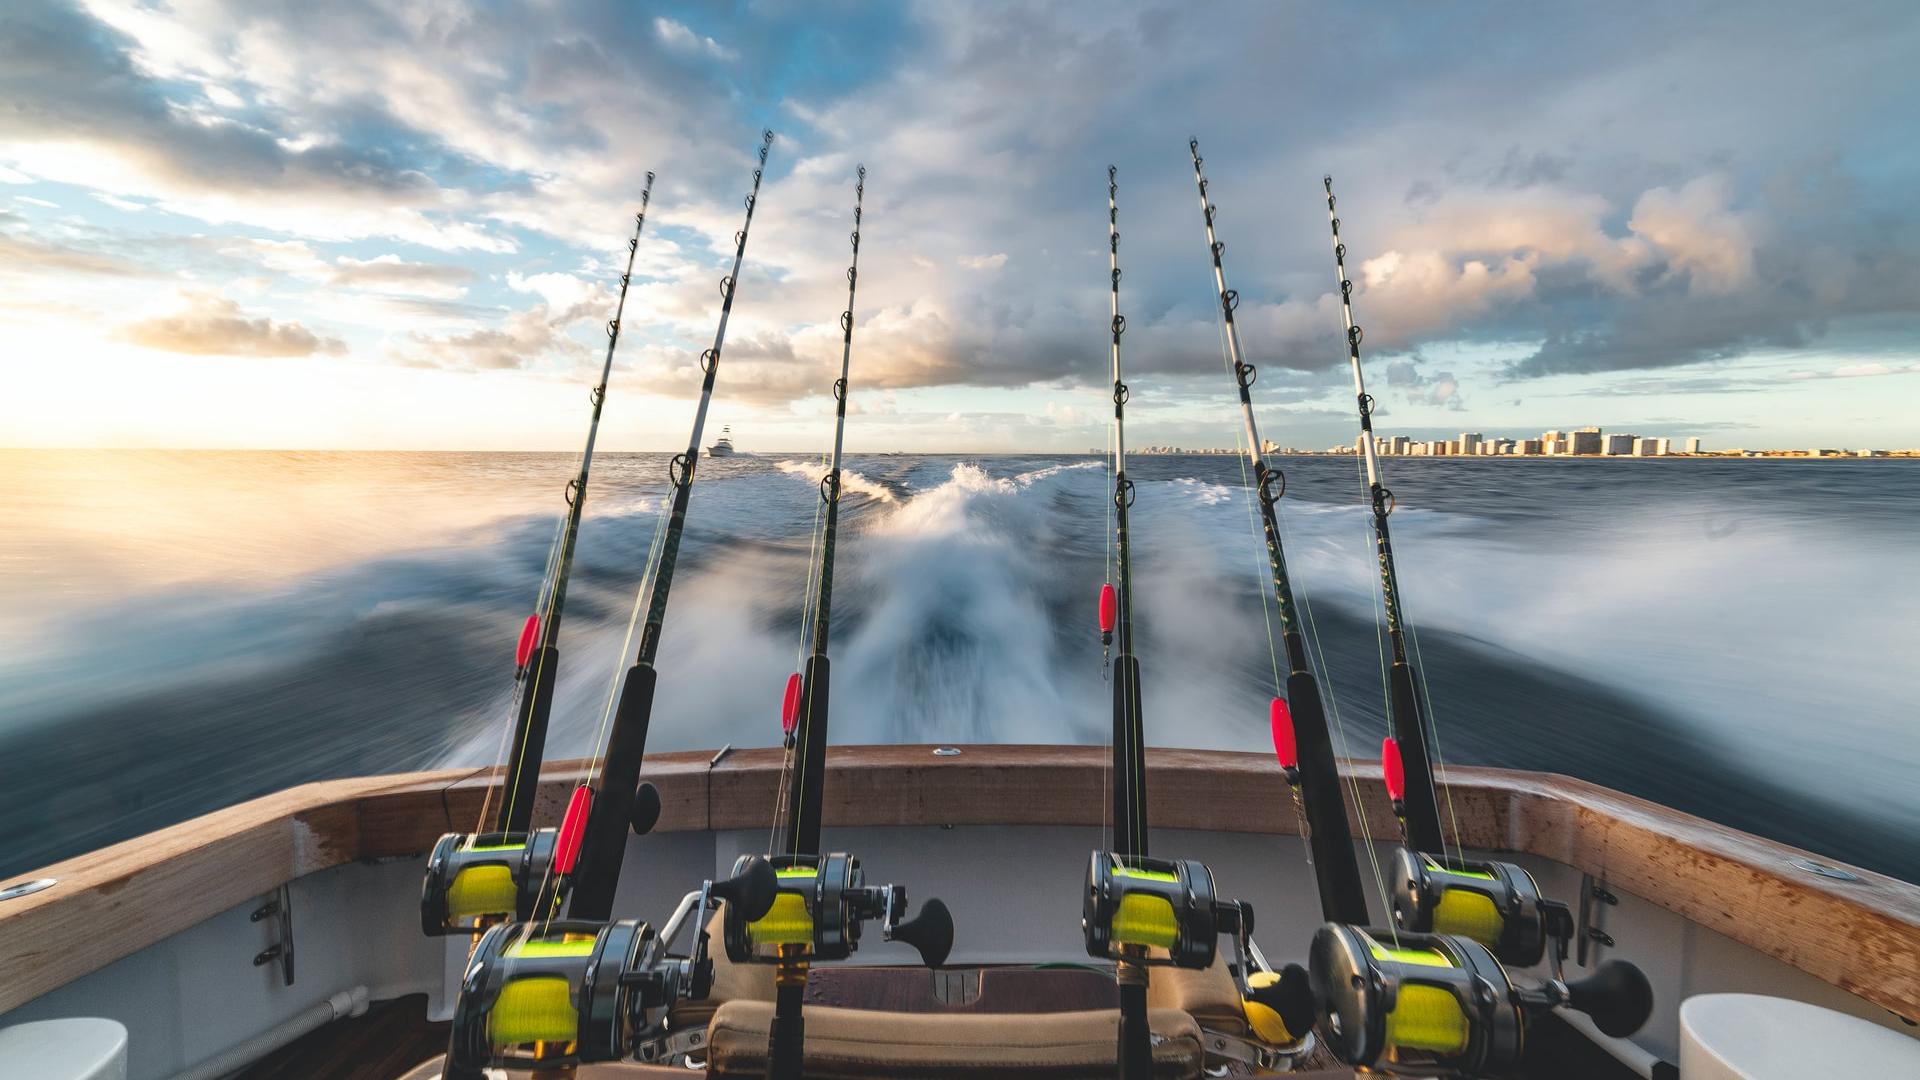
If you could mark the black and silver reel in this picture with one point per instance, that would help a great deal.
(819, 909)
(1442, 1004)
(1496, 904)
(547, 994)
(1155, 911)
(474, 879)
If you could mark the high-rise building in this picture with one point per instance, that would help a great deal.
(1584, 441)
(1693, 445)
(1529, 447)
(1552, 447)
(1400, 444)
(1646, 447)
(1662, 447)
(1469, 442)
(1553, 436)
(1618, 445)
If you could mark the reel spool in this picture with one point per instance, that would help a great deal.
(820, 906)
(538, 996)
(1155, 911)
(1442, 1005)
(1496, 904)
(542, 995)
(473, 879)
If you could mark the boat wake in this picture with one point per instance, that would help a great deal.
(1635, 652)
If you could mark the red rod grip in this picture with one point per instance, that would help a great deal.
(529, 637)
(1393, 769)
(573, 828)
(1284, 746)
(790, 705)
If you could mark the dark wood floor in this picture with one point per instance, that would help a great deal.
(392, 1037)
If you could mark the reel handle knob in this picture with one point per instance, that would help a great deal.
(1291, 997)
(752, 890)
(1617, 997)
(646, 809)
(931, 932)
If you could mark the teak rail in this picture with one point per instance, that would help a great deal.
(1862, 936)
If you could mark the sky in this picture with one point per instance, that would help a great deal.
(265, 224)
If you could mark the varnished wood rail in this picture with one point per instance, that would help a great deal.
(1862, 936)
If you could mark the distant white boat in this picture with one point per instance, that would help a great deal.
(723, 446)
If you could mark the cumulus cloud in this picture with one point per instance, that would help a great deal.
(523, 339)
(1439, 388)
(391, 273)
(677, 35)
(216, 326)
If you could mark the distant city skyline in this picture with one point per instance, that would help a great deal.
(379, 226)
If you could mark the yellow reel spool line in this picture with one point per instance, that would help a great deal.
(788, 921)
(538, 1008)
(482, 890)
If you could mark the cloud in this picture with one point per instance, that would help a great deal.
(1439, 388)
(25, 256)
(562, 292)
(984, 262)
(392, 274)
(524, 339)
(676, 35)
(216, 326)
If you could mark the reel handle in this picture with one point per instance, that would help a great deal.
(931, 932)
(751, 890)
(646, 809)
(1617, 997)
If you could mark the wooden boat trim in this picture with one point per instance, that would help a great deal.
(1862, 936)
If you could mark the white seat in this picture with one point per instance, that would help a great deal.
(1751, 1037)
(77, 1048)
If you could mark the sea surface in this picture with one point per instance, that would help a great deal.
(180, 631)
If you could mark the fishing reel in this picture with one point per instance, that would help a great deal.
(1442, 1004)
(542, 995)
(1135, 905)
(1497, 904)
(474, 879)
(819, 908)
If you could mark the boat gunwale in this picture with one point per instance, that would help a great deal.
(1862, 936)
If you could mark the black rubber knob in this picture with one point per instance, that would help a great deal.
(931, 932)
(1292, 998)
(752, 890)
(646, 809)
(1617, 997)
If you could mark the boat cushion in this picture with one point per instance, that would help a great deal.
(731, 982)
(862, 1044)
(1209, 995)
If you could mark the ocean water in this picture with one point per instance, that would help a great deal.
(185, 630)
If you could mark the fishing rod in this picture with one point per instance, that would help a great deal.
(1411, 736)
(538, 656)
(618, 803)
(1299, 720)
(804, 713)
(1430, 993)
(1139, 911)
(1116, 601)
(1129, 728)
(823, 899)
(474, 879)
